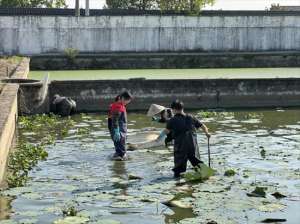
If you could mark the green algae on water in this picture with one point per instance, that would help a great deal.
(200, 174)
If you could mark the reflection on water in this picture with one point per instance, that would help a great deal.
(79, 170)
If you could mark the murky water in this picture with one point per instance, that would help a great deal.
(79, 172)
(227, 73)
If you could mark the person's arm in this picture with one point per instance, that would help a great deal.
(163, 134)
(199, 124)
(205, 130)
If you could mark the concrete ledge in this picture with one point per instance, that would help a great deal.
(22, 70)
(171, 60)
(8, 119)
(96, 95)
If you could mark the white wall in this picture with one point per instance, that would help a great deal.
(35, 35)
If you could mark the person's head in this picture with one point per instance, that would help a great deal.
(166, 114)
(125, 97)
(177, 106)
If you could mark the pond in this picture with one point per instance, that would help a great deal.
(79, 178)
(252, 73)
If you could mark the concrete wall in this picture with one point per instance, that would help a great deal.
(94, 96)
(43, 34)
(8, 119)
(168, 60)
(9, 113)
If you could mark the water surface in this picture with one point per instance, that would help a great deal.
(79, 171)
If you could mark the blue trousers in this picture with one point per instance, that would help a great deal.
(120, 146)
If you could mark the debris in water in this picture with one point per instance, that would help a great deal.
(177, 204)
(229, 173)
(258, 192)
(134, 177)
(263, 153)
(278, 195)
(131, 147)
(272, 220)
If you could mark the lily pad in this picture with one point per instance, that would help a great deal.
(7, 222)
(107, 221)
(72, 220)
(125, 204)
(28, 221)
(271, 207)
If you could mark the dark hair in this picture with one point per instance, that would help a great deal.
(124, 95)
(177, 105)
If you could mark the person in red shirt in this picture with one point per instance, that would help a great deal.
(117, 124)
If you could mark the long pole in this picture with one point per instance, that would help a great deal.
(208, 149)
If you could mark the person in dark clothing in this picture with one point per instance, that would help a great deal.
(117, 124)
(63, 106)
(183, 128)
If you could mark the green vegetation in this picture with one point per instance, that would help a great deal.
(47, 126)
(200, 174)
(229, 173)
(210, 114)
(71, 210)
(258, 192)
(26, 155)
(227, 73)
(71, 54)
(22, 161)
(33, 3)
(185, 5)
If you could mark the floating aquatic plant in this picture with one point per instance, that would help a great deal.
(70, 210)
(263, 153)
(229, 173)
(200, 174)
(21, 161)
(258, 192)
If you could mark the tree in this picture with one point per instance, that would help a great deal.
(33, 3)
(275, 7)
(184, 5)
(131, 4)
(176, 5)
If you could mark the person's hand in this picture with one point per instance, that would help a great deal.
(161, 136)
(116, 135)
(208, 135)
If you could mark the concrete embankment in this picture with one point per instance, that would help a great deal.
(149, 60)
(93, 96)
(9, 113)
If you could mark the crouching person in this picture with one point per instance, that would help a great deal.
(117, 124)
(161, 114)
(63, 106)
(183, 128)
